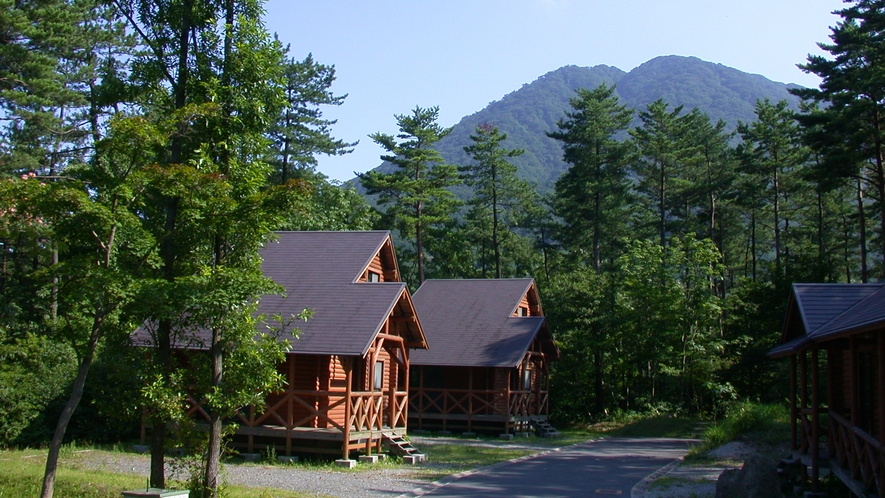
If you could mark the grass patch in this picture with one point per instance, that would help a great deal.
(761, 423)
(655, 426)
(21, 474)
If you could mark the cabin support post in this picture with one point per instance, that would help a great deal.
(880, 363)
(421, 397)
(406, 380)
(794, 415)
(852, 368)
(507, 406)
(831, 394)
(348, 372)
(880, 360)
(803, 391)
(470, 399)
(815, 429)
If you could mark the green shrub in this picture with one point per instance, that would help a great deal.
(769, 423)
(34, 372)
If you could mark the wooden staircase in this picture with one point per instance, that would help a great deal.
(544, 429)
(399, 446)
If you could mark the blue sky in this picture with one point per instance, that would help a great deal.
(460, 55)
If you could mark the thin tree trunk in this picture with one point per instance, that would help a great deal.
(862, 221)
(213, 453)
(68, 412)
(495, 242)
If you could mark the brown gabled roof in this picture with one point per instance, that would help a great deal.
(319, 271)
(470, 322)
(821, 311)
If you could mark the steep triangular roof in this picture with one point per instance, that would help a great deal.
(818, 311)
(471, 322)
(319, 271)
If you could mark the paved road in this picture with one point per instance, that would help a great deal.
(605, 467)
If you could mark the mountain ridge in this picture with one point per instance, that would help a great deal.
(526, 114)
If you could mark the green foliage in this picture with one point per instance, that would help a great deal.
(499, 204)
(301, 132)
(33, 372)
(416, 193)
(767, 423)
(592, 196)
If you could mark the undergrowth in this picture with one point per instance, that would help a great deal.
(763, 423)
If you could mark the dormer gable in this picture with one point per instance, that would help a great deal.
(529, 304)
(382, 267)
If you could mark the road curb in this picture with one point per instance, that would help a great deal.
(641, 487)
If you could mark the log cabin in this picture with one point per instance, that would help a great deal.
(347, 371)
(834, 337)
(488, 369)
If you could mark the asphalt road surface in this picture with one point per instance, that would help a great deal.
(600, 468)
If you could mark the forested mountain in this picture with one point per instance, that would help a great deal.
(527, 114)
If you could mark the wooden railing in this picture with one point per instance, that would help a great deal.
(858, 452)
(368, 410)
(479, 402)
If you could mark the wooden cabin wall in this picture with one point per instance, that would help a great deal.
(383, 265)
(362, 373)
(501, 383)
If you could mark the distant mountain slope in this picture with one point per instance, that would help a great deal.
(720, 91)
(528, 113)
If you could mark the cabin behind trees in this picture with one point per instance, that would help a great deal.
(846, 384)
(347, 373)
(488, 366)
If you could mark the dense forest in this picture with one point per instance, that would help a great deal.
(148, 150)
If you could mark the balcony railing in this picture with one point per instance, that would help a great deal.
(479, 402)
(858, 452)
(368, 410)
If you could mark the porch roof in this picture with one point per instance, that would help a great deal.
(828, 310)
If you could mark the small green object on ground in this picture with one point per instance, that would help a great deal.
(156, 493)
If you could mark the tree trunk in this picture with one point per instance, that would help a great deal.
(68, 412)
(213, 453)
(862, 221)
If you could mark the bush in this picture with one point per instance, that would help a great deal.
(34, 371)
(769, 423)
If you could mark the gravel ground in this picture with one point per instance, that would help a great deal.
(379, 481)
(382, 480)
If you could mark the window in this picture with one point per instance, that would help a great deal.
(522, 311)
(527, 379)
(379, 375)
(374, 277)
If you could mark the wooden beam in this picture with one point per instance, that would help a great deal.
(794, 414)
(391, 337)
(815, 422)
(852, 372)
(803, 391)
(880, 360)
(348, 374)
